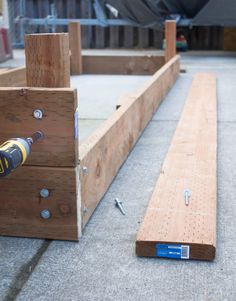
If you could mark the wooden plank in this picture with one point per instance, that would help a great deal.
(75, 48)
(107, 148)
(2, 49)
(122, 100)
(114, 34)
(21, 203)
(229, 39)
(47, 60)
(157, 39)
(122, 64)
(143, 37)
(100, 39)
(189, 164)
(128, 39)
(71, 9)
(60, 9)
(43, 12)
(170, 35)
(13, 78)
(96, 64)
(59, 147)
(87, 31)
(3, 70)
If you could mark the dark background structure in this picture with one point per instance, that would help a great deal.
(199, 37)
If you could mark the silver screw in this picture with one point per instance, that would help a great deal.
(22, 92)
(45, 214)
(38, 114)
(85, 169)
(119, 205)
(44, 193)
(85, 210)
(187, 195)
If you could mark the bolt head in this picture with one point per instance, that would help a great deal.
(38, 114)
(44, 193)
(45, 214)
(85, 169)
(85, 210)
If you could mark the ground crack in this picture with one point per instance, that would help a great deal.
(24, 273)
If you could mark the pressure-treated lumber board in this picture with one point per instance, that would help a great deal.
(230, 38)
(106, 149)
(47, 60)
(189, 164)
(59, 146)
(13, 78)
(96, 64)
(76, 67)
(3, 70)
(170, 35)
(21, 204)
(122, 64)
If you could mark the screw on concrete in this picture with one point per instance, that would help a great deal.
(119, 205)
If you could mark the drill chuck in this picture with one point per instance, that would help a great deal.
(14, 152)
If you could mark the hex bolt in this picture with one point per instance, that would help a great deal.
(45, 214)
(85, 169)
(38, 114)
(22, 92)
(187, 195)
(44, 193)
(85, 210)
(119, 205)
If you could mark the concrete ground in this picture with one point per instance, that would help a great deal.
(103, 265)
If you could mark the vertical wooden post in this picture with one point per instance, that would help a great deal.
(170, 35)
(75, 48)
(229, 39)
(47, 60)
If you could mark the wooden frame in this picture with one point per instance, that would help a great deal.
(73, 201)
(97, 64)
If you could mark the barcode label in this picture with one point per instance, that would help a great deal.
(185, 252)
(172, 251)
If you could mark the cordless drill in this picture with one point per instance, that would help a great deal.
(14, 152)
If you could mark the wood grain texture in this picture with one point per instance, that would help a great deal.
(122, 64)
(59, 146)
(75, 48)
(106, 149)
(122, 100)
(3, 70)
(13, 77)
(189, 164)
(229, 38)
(47, 60)
(21, 203)
(170, 35)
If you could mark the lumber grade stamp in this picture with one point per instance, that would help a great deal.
(59, 146)
(180, 221)
(103, 153)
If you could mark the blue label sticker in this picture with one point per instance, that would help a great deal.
(76, 116)
(172, 251)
